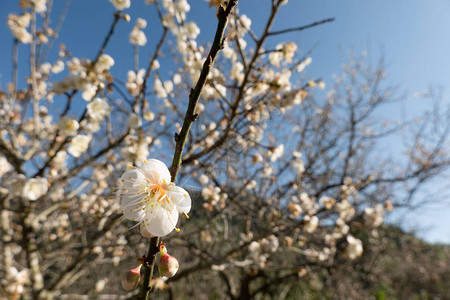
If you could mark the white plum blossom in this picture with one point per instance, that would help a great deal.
(68, 126)
(311, 223)
(79, 144)
(245, 21)
(121, 4)
(5, 166)
(374, 216)
(141, 23)
(203, 179)
(104, 63)
(134, 121)
(354, 248)
(98, 109)
(40, 6)
(57, 67)
(149, 115)
(14, 280)
(276, 153)
(148, 197)
(137, 37)
(34, 188)
(18, 26)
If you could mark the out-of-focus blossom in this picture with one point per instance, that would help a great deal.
(15, 281)
(120, 4)
(34, 188)
(374, 216)
(5, 166)
(104, 63)
(354, 248)
(98, 109)
(68, 126)
(137, 37)
(270, 244)
(311, 223)
(79, 144)
(39, 6)
(17, 25)
(134, 121)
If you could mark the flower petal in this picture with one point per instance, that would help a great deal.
(132, 178)
(161, 222)
(156, 171)
(180, 197)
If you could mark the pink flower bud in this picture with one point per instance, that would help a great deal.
(168, 265)
(130, 280)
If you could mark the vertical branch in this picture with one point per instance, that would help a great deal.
(181, 138)
(34, 91)
(136, 58)
(15, 67)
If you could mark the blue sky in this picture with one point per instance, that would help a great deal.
(412, 35)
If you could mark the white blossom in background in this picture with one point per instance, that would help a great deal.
(374, 216)
(301, 66)
(120, 4)
(354, 248)
(5, 166)
(40, 6)
(34, 188)
(162, 89)
(148, 197)
(245, 21)
(57, 67)
(276, 153)
(98, 109)
(79, 144)
(311, 223)
(68, 126)
(137, 37)
(17, 25)
(134, 81)
(104, 63)
(15, 281)
(203, 179)
(137, 151)
(134, 121)
(141, 23)
(270, 244)
(276, 56)
(149, 115)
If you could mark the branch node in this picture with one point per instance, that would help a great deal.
(177, 137)
(222, 44)
(194, 117)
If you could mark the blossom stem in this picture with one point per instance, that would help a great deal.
(149, 267)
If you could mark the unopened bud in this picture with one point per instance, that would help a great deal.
(168, 265)
(126, 17)
(131, 278)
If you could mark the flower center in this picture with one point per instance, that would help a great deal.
(157, 192)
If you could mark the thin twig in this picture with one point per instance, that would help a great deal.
(301, 28)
